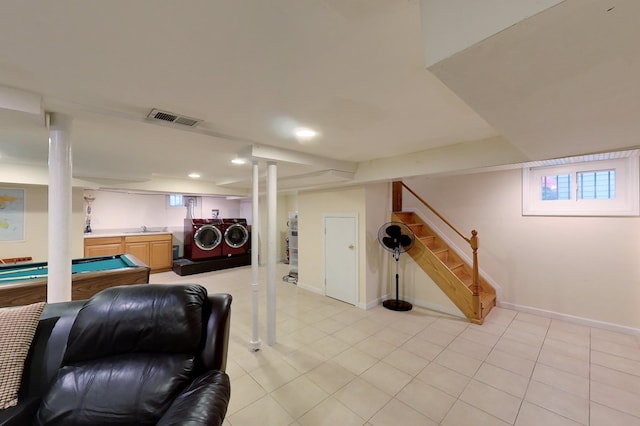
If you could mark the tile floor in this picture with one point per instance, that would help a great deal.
(335, 364)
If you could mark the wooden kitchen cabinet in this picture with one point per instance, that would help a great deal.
(139, 249)
(103, 246)
(154, 250)
(161, 255)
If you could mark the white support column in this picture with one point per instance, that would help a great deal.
(59, 246)
(272, 204)
(255, 247)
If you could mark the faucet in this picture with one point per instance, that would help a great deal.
(143, 228)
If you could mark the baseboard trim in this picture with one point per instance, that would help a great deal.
(372, 304)
(570, 318)
(310, 288)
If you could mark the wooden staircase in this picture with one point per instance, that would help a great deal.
(447, 269)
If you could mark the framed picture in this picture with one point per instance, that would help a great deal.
(215, 213)
(11, 214)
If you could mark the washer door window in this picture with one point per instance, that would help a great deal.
(207, 237)
(236, 236)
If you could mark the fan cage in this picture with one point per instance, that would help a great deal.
(396, 231)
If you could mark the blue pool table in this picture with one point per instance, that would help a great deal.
(26, 283)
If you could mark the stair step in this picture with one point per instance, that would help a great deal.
(487, 299)
(428, 240)
(416, 227)
(464, 277)
(449, 258)
(404, 216)
(442, 253)
(455, 266)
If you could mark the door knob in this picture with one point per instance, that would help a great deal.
(351, 246)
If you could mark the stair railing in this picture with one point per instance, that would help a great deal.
(472, 241)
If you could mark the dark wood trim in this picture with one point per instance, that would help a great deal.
(9, 260)
(396, 196)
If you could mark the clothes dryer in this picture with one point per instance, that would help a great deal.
(203, 238)
(236, 237)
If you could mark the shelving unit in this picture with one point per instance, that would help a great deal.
(293, 248)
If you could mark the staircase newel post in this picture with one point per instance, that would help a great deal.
(396, 195)
(475, 287)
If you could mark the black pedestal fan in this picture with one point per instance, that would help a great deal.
(397, 238)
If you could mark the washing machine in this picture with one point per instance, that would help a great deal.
(236, 237)
(203, 238)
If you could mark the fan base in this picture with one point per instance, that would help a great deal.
(397, 305)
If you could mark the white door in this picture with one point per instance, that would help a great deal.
(341, 257)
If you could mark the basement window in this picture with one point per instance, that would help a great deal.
(176, 200)
(592, 185)
(556, 187)
(599, 185)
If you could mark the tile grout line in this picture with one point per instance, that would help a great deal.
(483, 362)
(535, 365)
(412, 378)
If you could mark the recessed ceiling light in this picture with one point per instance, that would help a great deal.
(304, 133)
(239, 161)
(194, 175)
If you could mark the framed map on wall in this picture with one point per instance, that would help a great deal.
(11, 214)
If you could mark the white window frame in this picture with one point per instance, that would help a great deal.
(170, 199)
(625, 203)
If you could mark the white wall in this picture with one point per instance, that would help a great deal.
(312, 206)
(37, 228)
(228, 208)
(117, 211)
(281, 228)
(371, 204)
(110, 211)
(376, 270)
(246, 210)
(580, 266)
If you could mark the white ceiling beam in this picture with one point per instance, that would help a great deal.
(270, 153)
(20, 100)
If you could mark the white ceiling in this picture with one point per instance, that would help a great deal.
(351, 69)
(561, 83)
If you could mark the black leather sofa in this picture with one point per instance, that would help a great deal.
(131, 355)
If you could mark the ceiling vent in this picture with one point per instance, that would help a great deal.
(169, 117)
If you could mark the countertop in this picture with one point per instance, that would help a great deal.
(99, 234)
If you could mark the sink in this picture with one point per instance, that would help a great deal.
(147, 231)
